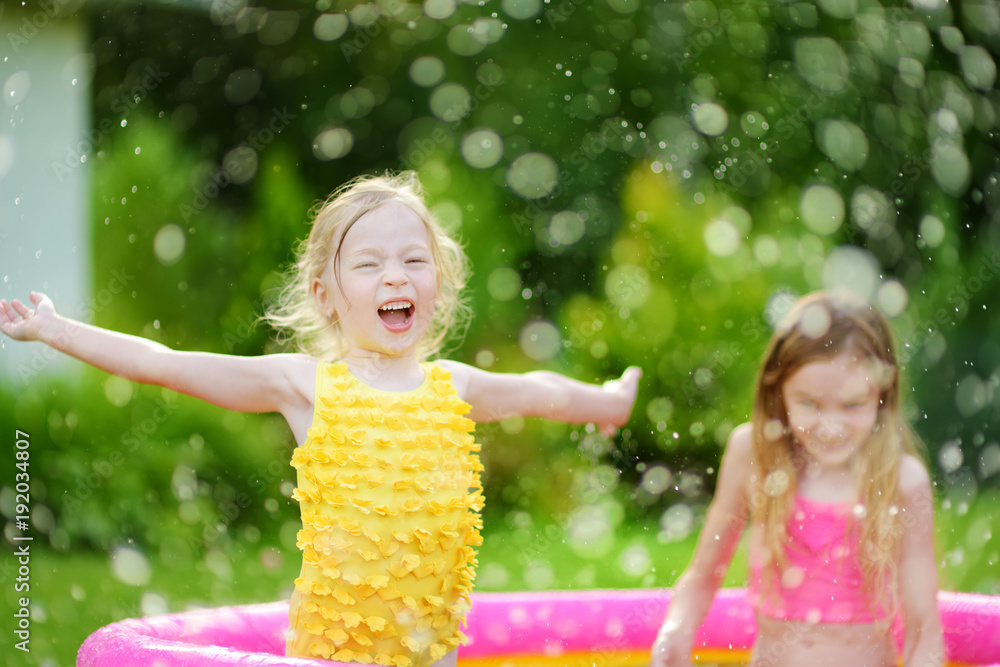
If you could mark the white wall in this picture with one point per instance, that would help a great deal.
(44, 217)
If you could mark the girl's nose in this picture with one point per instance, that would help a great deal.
(394, 274)
(829, 428)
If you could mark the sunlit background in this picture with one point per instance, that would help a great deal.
(635, 182)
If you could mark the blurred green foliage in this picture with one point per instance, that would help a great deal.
(635, 182)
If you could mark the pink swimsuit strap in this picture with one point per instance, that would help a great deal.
(823, 582)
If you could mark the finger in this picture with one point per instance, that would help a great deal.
(632, 374)
(21, 309)
(7, 316)
(629, 378)
(40, 298)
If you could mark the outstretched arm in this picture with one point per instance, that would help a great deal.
(696, 587)
(496, 396)
(249, 384)
(918, 581)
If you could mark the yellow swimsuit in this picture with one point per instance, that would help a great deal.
(389, 490)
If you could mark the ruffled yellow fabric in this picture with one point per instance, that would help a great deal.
(390, 495)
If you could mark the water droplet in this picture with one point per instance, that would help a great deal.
(815, 321)
(533, 175)
(333, 144)
(482, 148)
(540, 340)
(776, 483)
(711, 119)
(722, 238)
(130, 566)
(635, 561)
(676, 523)
(793, 577)
(851, 268)
(822, 209)
(656, 480)
(169, 243)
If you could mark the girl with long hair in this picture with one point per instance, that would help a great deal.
(840, 506)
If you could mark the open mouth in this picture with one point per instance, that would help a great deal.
(396, 315)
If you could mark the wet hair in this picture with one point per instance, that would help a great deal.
(295, 312)
(821, 326)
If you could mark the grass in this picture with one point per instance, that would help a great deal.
(73, 594)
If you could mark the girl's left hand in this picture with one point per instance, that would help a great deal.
(621, 392)
(20, 322)
(672, 647)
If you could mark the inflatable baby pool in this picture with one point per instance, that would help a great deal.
(566, 628)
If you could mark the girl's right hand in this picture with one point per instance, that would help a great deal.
(621, 393)
(672, 648)
(22, 323)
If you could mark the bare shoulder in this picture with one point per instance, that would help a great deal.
(282, 362)
(914, 480)
(299, 368)
(296, 361)
(738, 468)
(739, 447)
(461, 374)
(734, 486)
(293, 378)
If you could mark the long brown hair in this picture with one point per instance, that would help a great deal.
(820, 326)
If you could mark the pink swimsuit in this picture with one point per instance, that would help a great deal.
(823, 582)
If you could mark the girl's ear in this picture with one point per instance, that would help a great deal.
(323, 298)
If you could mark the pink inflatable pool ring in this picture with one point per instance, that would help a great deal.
(549, 627)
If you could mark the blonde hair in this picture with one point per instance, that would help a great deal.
(295, 312)
(820, 326)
